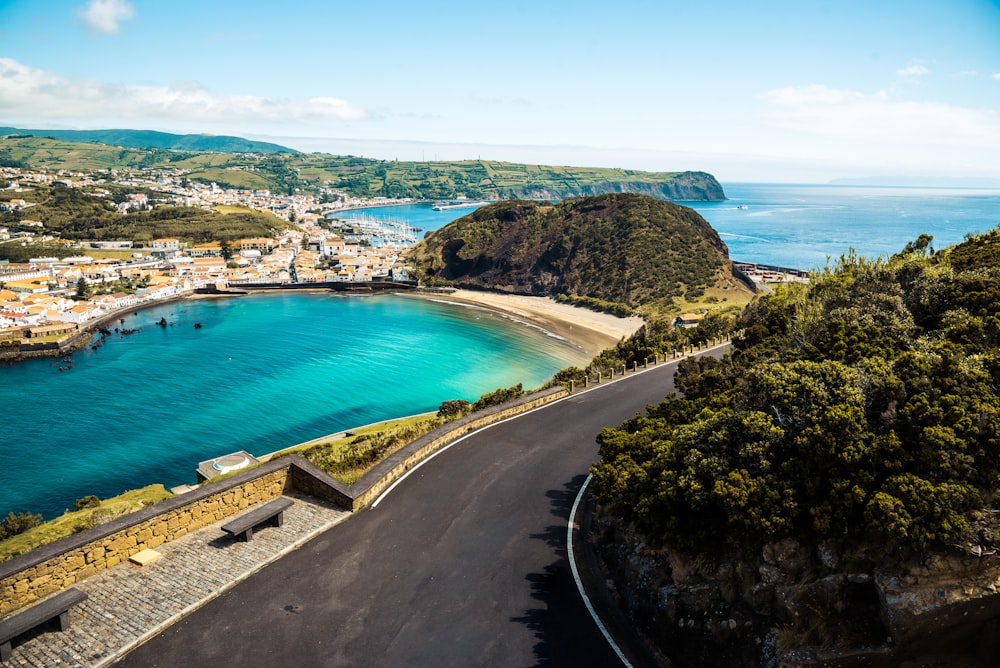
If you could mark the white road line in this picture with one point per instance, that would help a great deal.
(579, 582)
(514, 417)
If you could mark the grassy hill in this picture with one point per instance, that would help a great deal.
(150, 139)
(622, 248)
(361, 177)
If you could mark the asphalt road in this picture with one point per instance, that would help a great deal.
(462, 564)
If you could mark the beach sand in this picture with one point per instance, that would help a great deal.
(591, 331)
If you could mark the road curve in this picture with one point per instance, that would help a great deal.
(463, 564)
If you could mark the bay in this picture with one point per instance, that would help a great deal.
(262, 373)
(268, 371)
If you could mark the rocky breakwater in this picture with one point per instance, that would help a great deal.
(790, 604)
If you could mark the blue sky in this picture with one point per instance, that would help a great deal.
(765, 91)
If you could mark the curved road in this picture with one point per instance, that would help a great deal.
(462, 564)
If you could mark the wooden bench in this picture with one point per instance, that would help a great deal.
(50, 608)
(242, 526)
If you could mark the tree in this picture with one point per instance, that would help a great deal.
(15, 524)
(83, 289)
(226, 249)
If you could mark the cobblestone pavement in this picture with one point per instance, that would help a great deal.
(128, 603)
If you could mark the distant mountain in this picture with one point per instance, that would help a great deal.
(919, 182)
(622, 248)
(152, 139)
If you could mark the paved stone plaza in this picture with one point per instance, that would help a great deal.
(129, 603)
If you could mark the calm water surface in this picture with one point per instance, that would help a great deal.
(262, 373)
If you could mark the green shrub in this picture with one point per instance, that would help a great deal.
(89, 501)
(19, 523)
(453, 408)
(498, 396)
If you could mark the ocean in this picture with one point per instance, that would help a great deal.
(269, 371)
(807, 227)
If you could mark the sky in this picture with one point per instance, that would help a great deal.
(767, 91)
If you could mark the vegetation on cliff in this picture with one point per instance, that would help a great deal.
(624, 249)
(862, 407)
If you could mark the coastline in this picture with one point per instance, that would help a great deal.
(588, 330)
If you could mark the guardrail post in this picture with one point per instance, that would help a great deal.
(599, 374)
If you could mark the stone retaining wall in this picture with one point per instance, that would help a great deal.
(54, 567)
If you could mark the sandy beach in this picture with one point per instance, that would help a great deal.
(590, 330)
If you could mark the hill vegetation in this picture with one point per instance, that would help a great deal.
(625, 249)
(862, 408)
(145, 139)
(254, 167)
(76, 215)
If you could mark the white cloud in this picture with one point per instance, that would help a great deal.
(879, 118)
(104, 17)
(30, 93)
(913, 71)
(997, 76)
(966, 74)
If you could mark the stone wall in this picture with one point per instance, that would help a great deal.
(392, 468)
(54, 567)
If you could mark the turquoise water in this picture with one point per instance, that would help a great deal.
(269, 371)
(262, 373)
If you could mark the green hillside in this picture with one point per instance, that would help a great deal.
(361, 177)
(861, 407)
(144, 139)
(622, 248)
(75, 215)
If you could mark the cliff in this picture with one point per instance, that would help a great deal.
(788, 605)
(685, 186)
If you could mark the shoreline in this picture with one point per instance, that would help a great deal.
(590, 331)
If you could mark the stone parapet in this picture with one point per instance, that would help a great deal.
(50, 568)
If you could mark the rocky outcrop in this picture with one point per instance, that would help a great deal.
(795, 605)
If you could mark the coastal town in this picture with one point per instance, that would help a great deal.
(46, 297)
